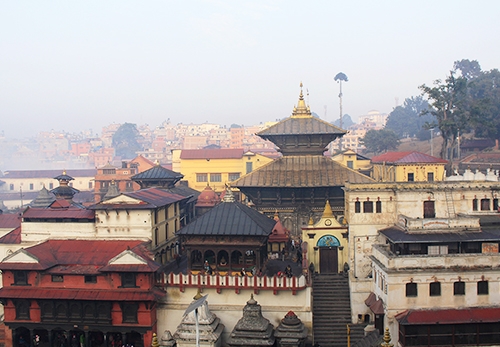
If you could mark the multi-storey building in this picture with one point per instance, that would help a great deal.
(424, 259)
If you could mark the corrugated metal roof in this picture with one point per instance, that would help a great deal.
(150, 198)
(78, 252)
(407, 157)
(230, 218)
(450, 316)
(157, 172)
(58, 213)
(9, 220)
(301, 171)
(397, 235)
(222, 153)
(81, 294)
(48, 173)
(301, 126)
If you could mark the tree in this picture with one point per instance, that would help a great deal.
(468, 69)
(407, 120)
(125, 141)
(378, 141)
(449, 104)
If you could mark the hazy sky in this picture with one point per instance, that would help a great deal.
(74, 65)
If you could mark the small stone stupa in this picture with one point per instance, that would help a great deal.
(291, 332)
(253, 329)
(43, 199)
(112, 192)
(209, 326)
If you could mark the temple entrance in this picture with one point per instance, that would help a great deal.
(328, 260)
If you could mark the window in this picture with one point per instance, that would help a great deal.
(32, 186)
(411, 289)
(51, 185)
(128, 280)
(459, 288)
(249, 166)
(482, 288)
(11, 186)
(201, 177)
(495, 204)
(57, 278)
(22, 309)
(215, 177)
(350, 164)
(474, 204)
(233, 176)
(378, 207)
(20, 278)
(435, 289)
(90, 279)
(129, 313)
(411, 177)
(129, 185)
(357, 207)
(485, 204)
(429, 211)
(436, 250)
(368, 206)
(90, 185)
(430, 176)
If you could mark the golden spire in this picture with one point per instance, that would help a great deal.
(155, 342)
(327, 212)
(311, 222)
(198, 295)
(387, 339)
(301, 110)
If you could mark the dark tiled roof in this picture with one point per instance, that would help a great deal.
(158, 172)
(301, 171)
(407, 157)
(301, 125)
(230, 218)
(398, 235)
(223, 153)
(64, 191)
(48, 173)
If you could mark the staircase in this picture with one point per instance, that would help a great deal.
(450, 204)
(332, 311)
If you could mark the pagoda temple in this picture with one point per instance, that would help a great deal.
(298, 184)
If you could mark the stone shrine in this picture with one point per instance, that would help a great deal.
(209, 326)
(253, 329)
(291, 332)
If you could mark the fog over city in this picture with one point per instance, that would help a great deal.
(85, 64)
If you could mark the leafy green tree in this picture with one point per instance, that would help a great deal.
(407, 120)
(378, 141)
(469, 69)
(449, 102)
(125, 141)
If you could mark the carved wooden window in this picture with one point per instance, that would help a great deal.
(47, 310)
(129, 312)
(90, 279)
(128, 280)
(75, 311)
(22, 309)
(459, 288)
(430, 176)
(411, 177)
(57, 278)
(21, 278)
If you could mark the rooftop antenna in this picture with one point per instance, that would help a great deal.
(325, 111)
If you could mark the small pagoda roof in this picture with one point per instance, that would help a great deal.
(230, 218)
(301, 172)
(64, 177)
(157, 172)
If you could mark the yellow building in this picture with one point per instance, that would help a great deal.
(408, 167)
(353, 160)
(325, 243)
(215, 167)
